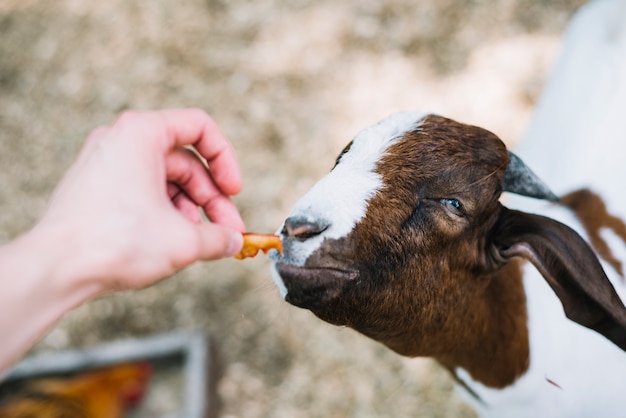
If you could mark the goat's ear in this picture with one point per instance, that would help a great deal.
(570, 267)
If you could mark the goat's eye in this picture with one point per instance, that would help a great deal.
(453, 206)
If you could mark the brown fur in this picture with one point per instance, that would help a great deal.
(464, 316)
(593, 214)
(425, 299)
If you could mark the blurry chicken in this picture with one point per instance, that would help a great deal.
(104, 393)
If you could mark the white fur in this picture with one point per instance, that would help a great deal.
(578, 134)
(340, 198)
(577, 139)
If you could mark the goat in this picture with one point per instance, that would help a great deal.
(406, 241)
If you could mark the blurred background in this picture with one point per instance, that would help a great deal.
(290, 82)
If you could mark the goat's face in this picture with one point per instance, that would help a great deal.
(375, 244)
(405, 241)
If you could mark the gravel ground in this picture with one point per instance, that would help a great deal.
(289, 82)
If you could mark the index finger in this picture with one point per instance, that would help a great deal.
(195, 127)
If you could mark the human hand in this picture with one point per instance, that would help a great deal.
(126, 212)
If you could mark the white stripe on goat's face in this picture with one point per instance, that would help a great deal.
(339, 200)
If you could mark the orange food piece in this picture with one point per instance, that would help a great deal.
(252, 243)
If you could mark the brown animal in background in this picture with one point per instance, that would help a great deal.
(104, 393)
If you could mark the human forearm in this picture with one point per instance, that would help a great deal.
(40, 280)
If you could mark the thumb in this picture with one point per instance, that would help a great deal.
(217, 241)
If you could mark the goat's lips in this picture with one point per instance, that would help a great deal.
(313, 287)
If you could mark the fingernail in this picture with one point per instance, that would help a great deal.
(236, 243)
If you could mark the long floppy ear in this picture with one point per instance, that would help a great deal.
(570, 267)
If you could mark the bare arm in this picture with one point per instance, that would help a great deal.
(124, 216)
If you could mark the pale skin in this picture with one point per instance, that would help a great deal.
(125, 215)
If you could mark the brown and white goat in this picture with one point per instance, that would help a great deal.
(406, 241)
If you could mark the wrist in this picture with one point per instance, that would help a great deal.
(43, 271)
(39, 282)
(59, 264)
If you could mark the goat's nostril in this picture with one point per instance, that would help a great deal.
(303, 229)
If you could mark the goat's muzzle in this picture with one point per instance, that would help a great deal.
(313, 288)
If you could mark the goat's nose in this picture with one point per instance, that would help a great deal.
(302, 228)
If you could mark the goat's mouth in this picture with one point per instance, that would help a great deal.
(313, 287)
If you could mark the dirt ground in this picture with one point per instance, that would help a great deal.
(289, 82)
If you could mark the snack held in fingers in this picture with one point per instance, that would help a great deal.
(252, 243)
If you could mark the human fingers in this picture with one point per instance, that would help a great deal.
(217, 241)
(189, 174)
(223, 211)
(183, 203)
(195, 127)
(181, 127)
